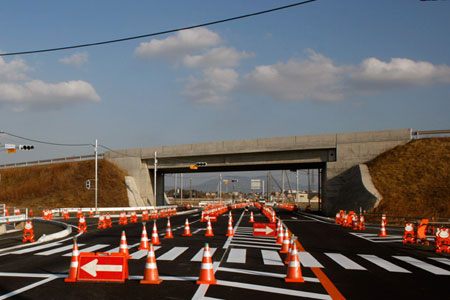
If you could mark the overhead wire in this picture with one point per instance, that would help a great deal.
(158, 33)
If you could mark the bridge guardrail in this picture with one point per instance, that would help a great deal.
(51, 161)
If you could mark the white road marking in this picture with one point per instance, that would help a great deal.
(28, 287)
(172, 254)
(57, 250)
(262, 288)
(344, 261)
(237, 256)
(259, 273)
(307, 260)
(249, 238)
(384, 263)
(199, 255)
(40, 247)
(89, 249)
(115, 250)
(441, 260)
(255, 246)
(423, 265)
(271, 258)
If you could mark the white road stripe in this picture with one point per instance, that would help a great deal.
(384, 263)
(262, 288)
(259, 273)
(251, 238)
(142, 253)
(57, 250)
(40, 247)
(345, 262)
(172, 253)
(254, 246)
(307, 260)
(271, 258)
(116, 250)
(441, 260)
(423, 265)
(251, 235)
(256, 243)
(89, 249)
(237, 256)
(199, 255)
(28, 287)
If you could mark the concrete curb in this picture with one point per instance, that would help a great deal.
(44, 238)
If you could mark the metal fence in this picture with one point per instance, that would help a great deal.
(51, 161)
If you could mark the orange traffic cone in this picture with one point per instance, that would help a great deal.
(123, 248)
(252, 220)
(291, 243)
(108, 220)
(286, 244)
(151, 270)
(206, 271)
(230, 216)
(383, 226)
(31, 213)
(230, 228)
(82, 224)
(73, 264)
(144, 239)
(209, 231)
(155, 236)
(28, 234)
(169, 234)
(294, 273)
(187, 229)
(101, 222)
(66, 214)
(280, 235)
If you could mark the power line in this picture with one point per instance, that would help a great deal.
(157, 33)
(44, 142)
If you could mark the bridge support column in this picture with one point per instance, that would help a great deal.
(159, 201)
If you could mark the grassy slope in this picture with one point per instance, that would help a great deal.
(414, 179)
(62, 185)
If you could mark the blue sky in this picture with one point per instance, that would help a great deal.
(325, 67)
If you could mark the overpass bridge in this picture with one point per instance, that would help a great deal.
(337, 156)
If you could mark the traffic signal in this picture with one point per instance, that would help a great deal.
(201, 164)
(26, 147)
(193, 167)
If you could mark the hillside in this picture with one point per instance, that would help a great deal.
(414, 179)
(62, 185)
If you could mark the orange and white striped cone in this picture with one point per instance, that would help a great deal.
(291, 243)
(123, 248)
(155, 236)
(286, 244)
(280, 235)
(294, 272)
(144, 239)
(187, 229)
(230, 228)
(252, 219)
(230, 216)
(169, 234)
(383, 226)
(206, 271)
(74, 263)
(151, 275)
(209, 230)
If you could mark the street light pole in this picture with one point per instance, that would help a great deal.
(154, 181)
(96, 173)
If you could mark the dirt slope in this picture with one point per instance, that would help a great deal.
(414, 179)
(62, 185)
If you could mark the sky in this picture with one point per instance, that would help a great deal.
(323, 67)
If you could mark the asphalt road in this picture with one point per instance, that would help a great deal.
(336, 264)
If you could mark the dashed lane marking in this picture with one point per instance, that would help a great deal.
(237, 255)
(90, 249)
(307, 260)
(259, 273)
(172, 253)
(36, 248)
(384, 263)
(271, 258)
(441, 260)
(199, 255)
(57, 250)
(344, 262)
(253, 246)
(423, 265)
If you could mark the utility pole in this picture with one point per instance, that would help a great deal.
(175, 187)
(181, 185)
(190, 189)
(220, 188)
(268, 187)
(154, 180)
(282, 184)
(96, 173)
(297, 185)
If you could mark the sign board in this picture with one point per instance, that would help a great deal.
(255, 184)
(10, 146)
(211, 218)
(264, 229)
(102, 267)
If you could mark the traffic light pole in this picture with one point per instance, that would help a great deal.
(96, 174)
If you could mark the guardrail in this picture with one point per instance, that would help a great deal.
(51, 161)
(13, 219)
(418, 134)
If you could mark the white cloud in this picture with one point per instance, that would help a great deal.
(178, 45)
(213, 87)
(38, 93)
(216, 57)
(13, 70)
(319, 78)
(76, 59)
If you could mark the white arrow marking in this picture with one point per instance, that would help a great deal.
(91, 268)
(267, 230)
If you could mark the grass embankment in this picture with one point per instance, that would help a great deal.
(414, 179)
(62, 185)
